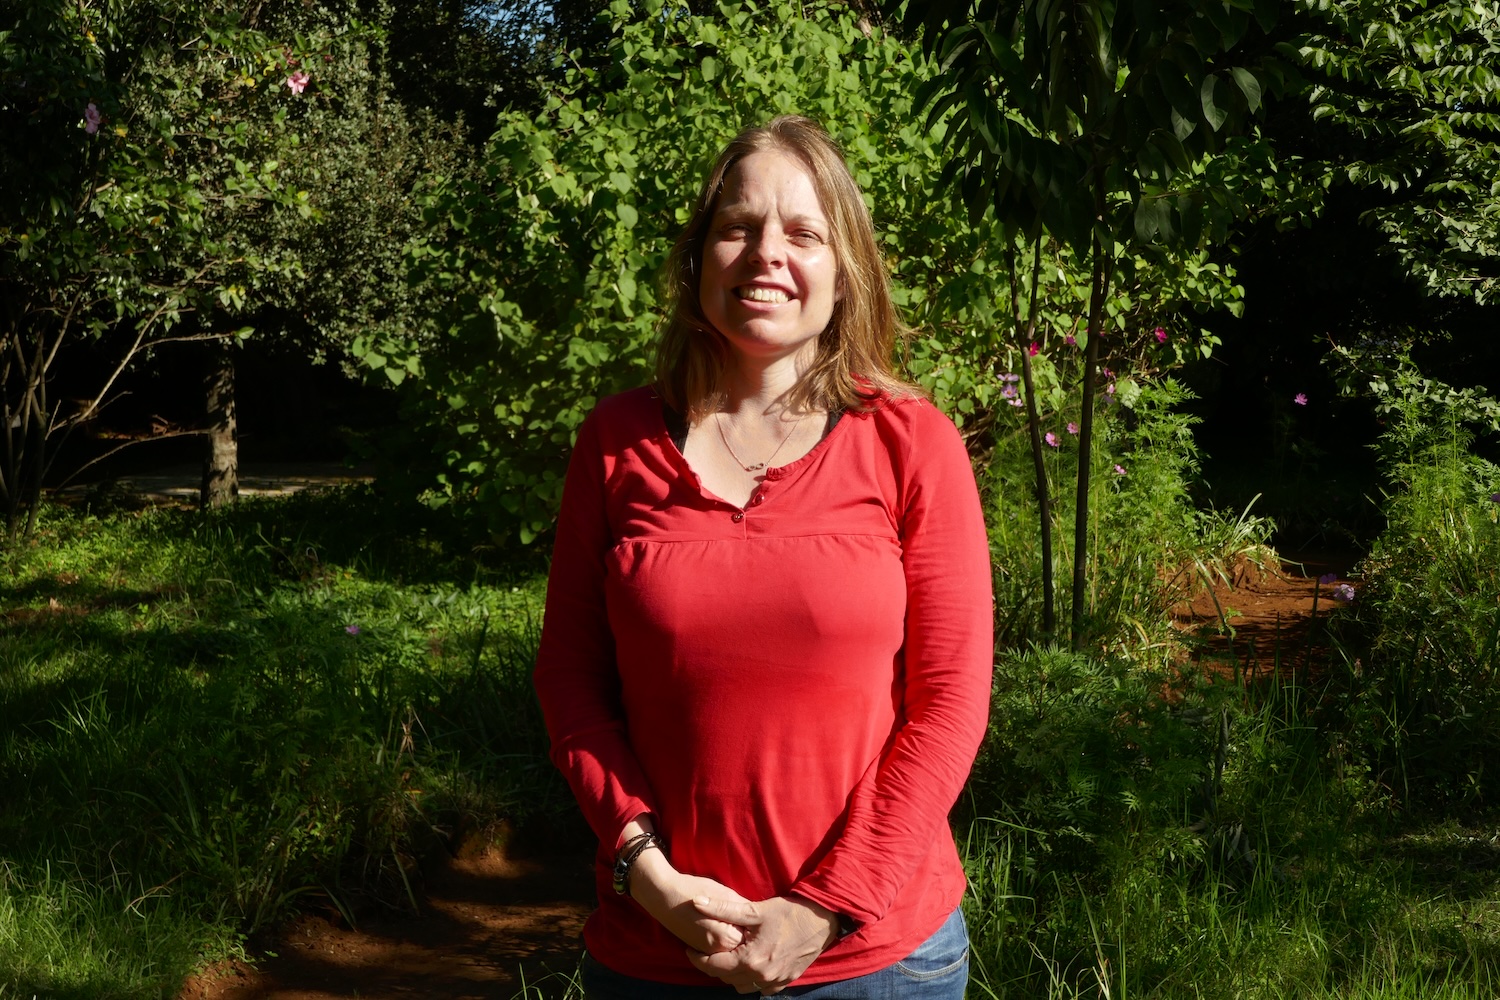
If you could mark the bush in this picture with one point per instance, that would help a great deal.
(1422, 669)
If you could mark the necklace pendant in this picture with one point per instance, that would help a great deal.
(756, 467)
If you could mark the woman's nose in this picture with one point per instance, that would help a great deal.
(769, 246)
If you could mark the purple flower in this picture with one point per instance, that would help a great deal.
(1161, 335)
(1344, 592)
(297, 82)
(92, 118)
(1072, 427)
(1010, 377)
(1070, 340)
(1495, 497)
(352, 629)
(1017, 402)
(1119, 470)
(1050, 438)
(1007, 391)
(1034, 349)
(1328, 578)
(1300, 399)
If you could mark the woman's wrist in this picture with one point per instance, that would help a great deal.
(651, 872)
(831, 920)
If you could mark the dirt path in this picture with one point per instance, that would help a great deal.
(489, 925)
(493, 924)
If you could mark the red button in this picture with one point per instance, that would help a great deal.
(737, 516)
(758, 499)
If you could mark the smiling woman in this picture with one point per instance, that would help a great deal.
(769, 275)
(766, 682)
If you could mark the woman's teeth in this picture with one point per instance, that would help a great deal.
(757, 294)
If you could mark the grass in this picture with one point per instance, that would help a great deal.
(209, 721)
(1297, 880)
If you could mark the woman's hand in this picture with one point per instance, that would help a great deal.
(782, 937)
(669, 896)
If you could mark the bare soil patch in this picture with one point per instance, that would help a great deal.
(490, 923)
(1265, 621)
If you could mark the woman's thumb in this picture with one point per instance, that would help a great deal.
(733, 911)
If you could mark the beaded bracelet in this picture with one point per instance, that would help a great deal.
(625, 859)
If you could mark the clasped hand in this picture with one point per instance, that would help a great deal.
(780, 938)
(756, 947)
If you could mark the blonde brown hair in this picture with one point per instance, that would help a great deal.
(852, 368)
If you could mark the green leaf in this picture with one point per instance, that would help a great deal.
(1249, 86)
(1212, 113)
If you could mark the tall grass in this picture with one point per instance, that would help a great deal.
(1113, 857)
(207, 721)
(1421, 676)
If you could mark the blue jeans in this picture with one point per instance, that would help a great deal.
(937, 970)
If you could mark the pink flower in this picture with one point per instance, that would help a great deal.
(1070, 340)
(1072, 427)
(1034, 349)
(1109, 390)
(1108, 373)
(1119, 470)
(352, 629)
(1300, 399)
(1161, 335)
(92, 118)
(1050, 438)
(297, 82)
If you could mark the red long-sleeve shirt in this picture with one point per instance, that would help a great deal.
(794, 690)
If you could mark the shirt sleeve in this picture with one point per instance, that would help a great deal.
(576, 679)
(901, 805)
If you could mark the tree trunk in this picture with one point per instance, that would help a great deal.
(221, 463)
(1099, 289)
(1038, 457)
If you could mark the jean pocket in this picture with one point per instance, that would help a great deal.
(943, 954)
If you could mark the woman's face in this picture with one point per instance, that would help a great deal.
(770, 277)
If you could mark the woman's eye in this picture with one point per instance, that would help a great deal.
(807, 238)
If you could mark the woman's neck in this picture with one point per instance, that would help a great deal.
(753, 387)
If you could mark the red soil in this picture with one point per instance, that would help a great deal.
(1269, 614)
(490, 923)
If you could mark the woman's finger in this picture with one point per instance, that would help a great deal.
(732, 911)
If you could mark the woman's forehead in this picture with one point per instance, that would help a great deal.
(770, 177)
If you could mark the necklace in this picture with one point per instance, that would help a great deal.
(756, 467)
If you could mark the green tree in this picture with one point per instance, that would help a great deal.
(1098, 123)
(547, 265)
(1407, 97)
(188, 176)
(107, 223)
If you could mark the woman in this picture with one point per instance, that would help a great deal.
(765, 661)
